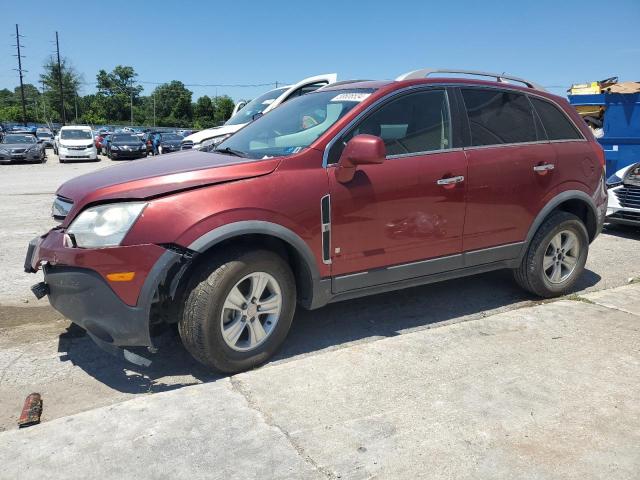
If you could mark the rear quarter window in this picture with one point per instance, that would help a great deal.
(555, 122)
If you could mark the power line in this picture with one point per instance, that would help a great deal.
(24, 107)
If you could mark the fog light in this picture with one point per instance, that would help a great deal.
(121, 276)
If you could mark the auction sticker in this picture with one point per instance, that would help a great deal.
(350, 97)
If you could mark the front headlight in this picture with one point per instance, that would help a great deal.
(211, 143)
(115, 147)
(104, 225)
(4, 151)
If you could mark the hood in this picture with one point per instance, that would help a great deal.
(171, 142)
(160, 175)
(203, 135)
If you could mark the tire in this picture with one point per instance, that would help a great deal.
(533, 277)
(201, 322)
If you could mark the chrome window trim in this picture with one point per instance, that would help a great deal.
(377, 103)
(427, 152)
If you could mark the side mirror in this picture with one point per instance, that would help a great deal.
(360, 150)
(256, 116)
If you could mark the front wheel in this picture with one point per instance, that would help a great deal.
(556, 256)
(238, 309)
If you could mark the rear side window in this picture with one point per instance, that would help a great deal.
(498, 117)
(411, 124)
(556, 123)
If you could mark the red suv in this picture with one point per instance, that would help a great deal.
(358, 188)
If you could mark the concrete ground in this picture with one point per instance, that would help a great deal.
(547, 391)
(41, 352)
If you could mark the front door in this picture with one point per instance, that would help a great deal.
(409, 209)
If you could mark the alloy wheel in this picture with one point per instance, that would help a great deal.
(561, 256)
(251, 311)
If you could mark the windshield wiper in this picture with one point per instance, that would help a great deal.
(230, 151)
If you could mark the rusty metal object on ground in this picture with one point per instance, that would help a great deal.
(31, 411)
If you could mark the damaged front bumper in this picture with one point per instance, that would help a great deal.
(114, 316)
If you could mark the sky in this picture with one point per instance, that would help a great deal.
(554, 43)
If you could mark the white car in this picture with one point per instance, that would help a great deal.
(624, 196)
(207, 139)
(76, 142)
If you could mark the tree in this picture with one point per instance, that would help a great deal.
(223, 108)
(173, 104)
(71, 81)
(203, 113)
(118, 86)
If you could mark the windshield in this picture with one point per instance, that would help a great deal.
(124, 137)
(44, 135)
(19, 139)
(171, 136)
(257, 105)
(75, 134)
(295, 125)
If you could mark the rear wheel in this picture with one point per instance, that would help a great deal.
(238, 309)
(556, 256)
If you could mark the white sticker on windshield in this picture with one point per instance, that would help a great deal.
(350, 97)
(268, 101)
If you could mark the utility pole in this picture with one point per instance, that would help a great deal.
(63, 116)
(154, 108)
(24, 107)
(44, 103)
(76, 102)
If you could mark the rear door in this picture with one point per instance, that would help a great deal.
(510, 172)
(402, 218)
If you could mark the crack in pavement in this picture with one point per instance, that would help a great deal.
(238, 387)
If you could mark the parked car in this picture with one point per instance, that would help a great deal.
(46, 137)
(169, 142)
(123, 146)
(76, 143)
(209, 138)
(624, 196)
(23, 147)
(356, 189)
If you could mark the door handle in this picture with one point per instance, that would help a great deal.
(450, 180)
(544, 168)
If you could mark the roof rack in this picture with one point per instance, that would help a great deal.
(425, 72)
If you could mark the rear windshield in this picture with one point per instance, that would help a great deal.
(75, 134)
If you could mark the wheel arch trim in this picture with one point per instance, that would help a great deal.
(261, 227)
(553, 204)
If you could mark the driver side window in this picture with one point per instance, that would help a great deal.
(411, 124)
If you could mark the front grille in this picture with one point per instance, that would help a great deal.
(77, 148)
(626, 215)
(18, 150)
(628, 196)
(60, 208)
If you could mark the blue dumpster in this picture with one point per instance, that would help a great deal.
(621, 140)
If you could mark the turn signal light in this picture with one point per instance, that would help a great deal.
(121, 276)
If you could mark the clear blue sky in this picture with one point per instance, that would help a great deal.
(555, 43)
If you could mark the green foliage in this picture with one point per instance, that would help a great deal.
(116, 96)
